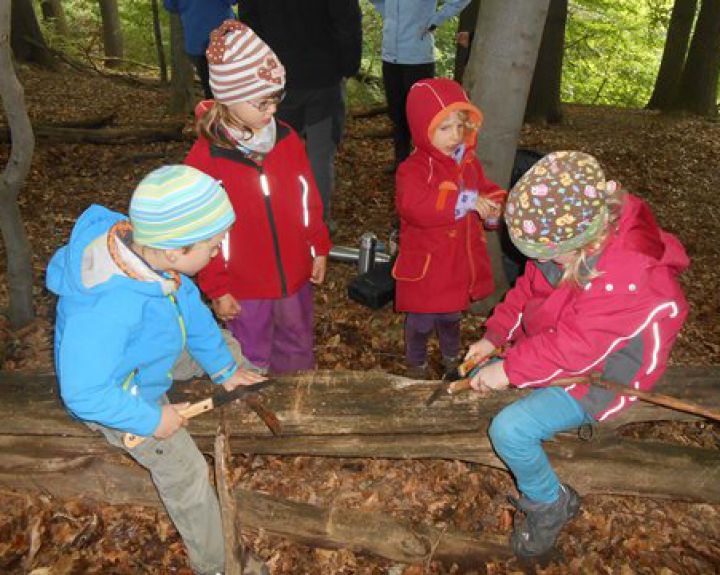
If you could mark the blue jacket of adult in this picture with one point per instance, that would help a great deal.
(407, 26)
(199, 18)
(117, 338)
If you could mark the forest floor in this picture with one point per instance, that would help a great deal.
(669, 161)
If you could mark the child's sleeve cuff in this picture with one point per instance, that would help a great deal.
(224, 374)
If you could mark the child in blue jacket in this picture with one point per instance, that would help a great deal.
(127, 311)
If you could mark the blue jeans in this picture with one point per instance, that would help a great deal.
(518, 430)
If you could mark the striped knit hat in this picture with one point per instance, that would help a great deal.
(177, 206)
(242, 66)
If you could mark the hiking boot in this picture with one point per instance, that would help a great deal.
(417, 372)
(535, 534)
(450, 364)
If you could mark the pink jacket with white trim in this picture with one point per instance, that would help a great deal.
(621, 324)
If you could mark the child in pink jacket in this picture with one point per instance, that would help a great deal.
(601, 296)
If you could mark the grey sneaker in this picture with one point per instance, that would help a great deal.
(417, 372)
(535, 534)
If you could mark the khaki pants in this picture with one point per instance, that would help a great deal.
(180, 474)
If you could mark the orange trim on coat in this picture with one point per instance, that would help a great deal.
(475, 115)
(444, 189)
(428, 257)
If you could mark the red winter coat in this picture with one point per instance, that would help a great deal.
(279, 226)
(443, 262)
(621, 324)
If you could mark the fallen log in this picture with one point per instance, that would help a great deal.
(116, 480)
(353, 414)
(113, 136)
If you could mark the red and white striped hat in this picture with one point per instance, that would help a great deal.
(242, 66)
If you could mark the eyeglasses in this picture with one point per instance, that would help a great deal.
(264, 104)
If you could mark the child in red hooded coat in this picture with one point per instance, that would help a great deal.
(442, 199)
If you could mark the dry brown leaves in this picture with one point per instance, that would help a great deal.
(669, 161)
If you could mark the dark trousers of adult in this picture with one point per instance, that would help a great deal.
(397, 79)
(203, 72)
(318, 115)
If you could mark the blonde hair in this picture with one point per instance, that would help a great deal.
(213, 125)
(578, 270)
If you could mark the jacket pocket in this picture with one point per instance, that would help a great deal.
(411, 265)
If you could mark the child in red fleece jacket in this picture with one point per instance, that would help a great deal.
(602, 296)
(261, 285)
(442, 198)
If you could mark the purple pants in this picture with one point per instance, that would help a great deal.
(419, 326)
(277, 334)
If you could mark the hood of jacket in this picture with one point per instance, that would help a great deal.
(84, 265)
(639, 233)
(429, 103)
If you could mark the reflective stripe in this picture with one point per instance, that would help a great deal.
(225, 247)
(128, 379)
(656, 349)
(517, 323)
(181, 321)
(305, 190)
(673, 313)
(264, 185)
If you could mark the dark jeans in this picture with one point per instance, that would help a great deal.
(398, 78)
(419, 326)
(318, 115)
(203, 72)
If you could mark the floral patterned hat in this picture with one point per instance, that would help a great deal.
(559, 205)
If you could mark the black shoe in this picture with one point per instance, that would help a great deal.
(535, 534)
(450, 365)
(418, 372)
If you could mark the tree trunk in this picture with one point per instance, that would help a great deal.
(543, 104)
(697, 92)
(27, 42)
(676, 45)
(498, 76)
(111, 33)
(17, 246)
(157, 33)
(228, 504)
(54, 13)
(182, 97)
(466, 25)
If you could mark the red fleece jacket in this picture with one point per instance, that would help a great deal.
(279, 226)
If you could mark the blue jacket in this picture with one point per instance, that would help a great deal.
(199, 18)
(406, 23)
(117, 338)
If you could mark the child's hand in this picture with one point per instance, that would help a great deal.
(481, 348)
(242, 377)
(490, 377)
(226, 307)
(170, 420)
(318, 270)
(487, 208)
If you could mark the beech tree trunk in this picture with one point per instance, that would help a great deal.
(27, 42)
(17, 246)
(54, 13)
(111, 33)
(697, 92)
(543, 104)
(157, 34)
(498, 76)
(182, 97)
(676, 45)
